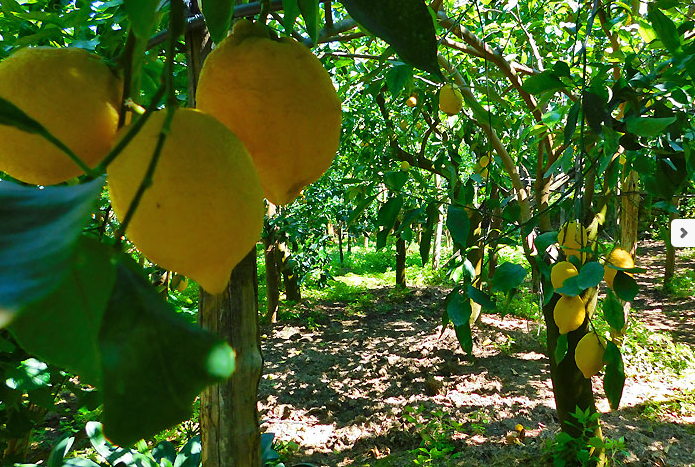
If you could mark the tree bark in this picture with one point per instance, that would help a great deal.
(340, 244)
(400, 259)
(289, 275)
(437, 250)
(272, 269)
(229, 422)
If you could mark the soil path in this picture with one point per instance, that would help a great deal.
(365, 388)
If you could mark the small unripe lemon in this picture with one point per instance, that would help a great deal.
(589, 354)
(204, 210)
(450, 100)
(562, 271)
(405, 165)
(280, 102)
(569, 313)
(74, 95)
(484, 161)
(403, 124)
(573, 237)
(618, 257)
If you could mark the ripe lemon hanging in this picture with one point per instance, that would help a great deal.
(450, 100)
(279, 100)
(74, 95)
(569, 313)
(618, 257)
(562, 271)
(204, 210)
(589, 354)
(411, 101)
(573, 237)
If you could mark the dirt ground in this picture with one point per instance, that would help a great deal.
(343, 390)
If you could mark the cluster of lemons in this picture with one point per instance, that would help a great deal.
(570, 311)
(267, 124)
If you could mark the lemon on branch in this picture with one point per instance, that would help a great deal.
(569, 313)
(562, 271)
(74, 95)
(204, 210)
(589, 354)
(618, 257)
(279, 100)
(450, 100)
(573, 237)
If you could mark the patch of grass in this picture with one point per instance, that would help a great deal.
(436, 430)
(681, 404)
(681, 285)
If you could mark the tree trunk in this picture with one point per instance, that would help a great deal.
(272, 270)
(400, 259)
(366, 241)
(670, 268)
(629, 213)
(289, 275)
(570, 388)
(229, 422)
(475, 256)
(340, 244)
(437, 251)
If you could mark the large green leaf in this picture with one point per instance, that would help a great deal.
(542, 82)
(389, 213)
(665, 29)
(39, 229)
(625, 286)
(63, 328)
(589, 276)
(614, 379)
(291, 11)
(404, 24)
(613, 311)
(648, 126)
(561, 347)
(508, 276)
(481, 298)
(141, 14)
(310, 13)
(154, 362)
(458, 223)
(218, 17)
(360, 209)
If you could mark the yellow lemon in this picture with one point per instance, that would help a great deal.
(74, 95)
(484, 161)
(450, 100)
(279, 100)
(412, 101)
(573, 237)
(589, 354)
(618, 257)
(405, 165)
(569, 313)
(204, 210)
(562, 271)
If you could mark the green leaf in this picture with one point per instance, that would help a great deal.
(154, 363)
(544, 240)
(481, 298)
(39, 229)
(31, 374)
(310, 13)
(360, 209)
(625, 286)
(613, 311)
(397, 76)
(508, 276)
(190, 454)
(590, 275)
(458, 308)
(381, 237)
(614, 378)
(141, 14)
(389, 213)
(164, 450)
(561, 347)
(60, 450)
(218, 17)
(291, 10)
(648, 126)
(395, 180)
(63, 328)
(665, 29)
(463, 334)
(458, 223)
(572, 119)
(404, 24)
(542, 82)
(12, 115)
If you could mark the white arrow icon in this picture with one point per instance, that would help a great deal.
(683, 233)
